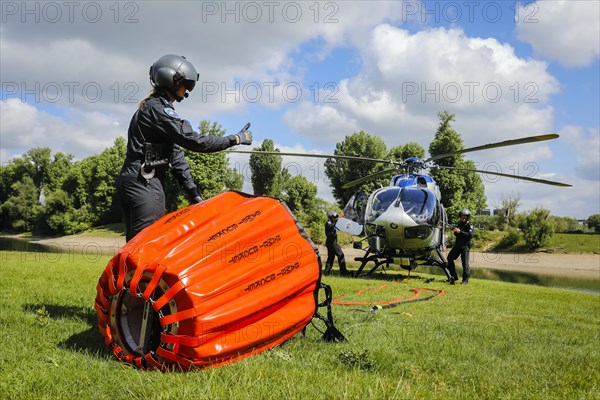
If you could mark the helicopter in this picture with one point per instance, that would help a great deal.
(405, 222)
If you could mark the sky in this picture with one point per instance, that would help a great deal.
(306, 74)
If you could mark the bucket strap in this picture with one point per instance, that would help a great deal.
(332, 334)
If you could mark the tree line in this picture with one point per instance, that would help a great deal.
(54, 194)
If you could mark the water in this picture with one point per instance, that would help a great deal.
(14, 244)
(585, 285)
(579, 284)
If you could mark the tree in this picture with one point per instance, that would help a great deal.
(508, 209)
(100, 173)
(22, 208)
(59, 216)
(340, 172)
(459, 189)
(318, 218)
(233, 179)
(267, 178)
(411, 149)
(300, 195)
(39, 158)
(566, 225)
(593, 222)
(538, 228)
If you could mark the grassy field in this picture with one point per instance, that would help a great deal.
(487, 340)
(562, 243)
(575, 243)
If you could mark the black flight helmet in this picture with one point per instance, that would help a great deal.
(465, 212)
(332, 215)
(171, 71)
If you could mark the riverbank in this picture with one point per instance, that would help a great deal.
(582, 266)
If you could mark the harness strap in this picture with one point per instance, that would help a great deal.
(165, 298)
(122, 268)
(182, 361)
(178, 316)
(137, 275)
(112, 289)
(183, 340)
(332, 334)
(154, 281)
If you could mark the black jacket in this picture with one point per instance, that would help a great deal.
(157, 122)
(463, 238)
(330, 232)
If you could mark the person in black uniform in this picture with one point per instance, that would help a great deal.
(333, 247)
(154, 140)
(464, 233)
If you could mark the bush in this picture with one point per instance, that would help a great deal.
(511, 238)
(485, 222)
(538, 228)
(593, 222)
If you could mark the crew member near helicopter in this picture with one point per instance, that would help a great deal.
(333, 247)
(154, 140)
(462, 247)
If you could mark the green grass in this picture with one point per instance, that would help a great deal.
(105, 231)
(563, 243)
(575, 243)
(487, 340)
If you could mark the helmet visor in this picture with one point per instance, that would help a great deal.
(189, 84)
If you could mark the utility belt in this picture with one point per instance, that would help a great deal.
(154, 157)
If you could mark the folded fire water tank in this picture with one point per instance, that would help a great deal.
(209, 284)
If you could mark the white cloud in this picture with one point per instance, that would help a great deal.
(565, 31)
(585, 145)
(407, 78)
(111, 46)
(23, 126)
(579, 149)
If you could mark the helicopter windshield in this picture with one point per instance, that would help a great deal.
(382, 201)
(420, 205)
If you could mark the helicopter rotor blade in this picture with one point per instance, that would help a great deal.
(512, 142)
(368, 178)
(525, 178)
(337, 157)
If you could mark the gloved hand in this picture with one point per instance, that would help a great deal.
(244, 137)
(194, 196)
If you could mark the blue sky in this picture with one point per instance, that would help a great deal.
(306, 74)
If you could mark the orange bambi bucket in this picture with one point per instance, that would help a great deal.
(209, 284)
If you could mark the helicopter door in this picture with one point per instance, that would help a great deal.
(352, 219)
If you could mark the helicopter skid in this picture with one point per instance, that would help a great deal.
(405, 262)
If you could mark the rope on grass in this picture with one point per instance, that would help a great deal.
(383, 304)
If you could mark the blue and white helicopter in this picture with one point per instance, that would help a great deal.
(405, 223)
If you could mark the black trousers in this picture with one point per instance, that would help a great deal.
(462, 252)
(143, 202)
(335, 250)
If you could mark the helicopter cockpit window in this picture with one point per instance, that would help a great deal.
(382, 201)
(355, 208)
(420, 205)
